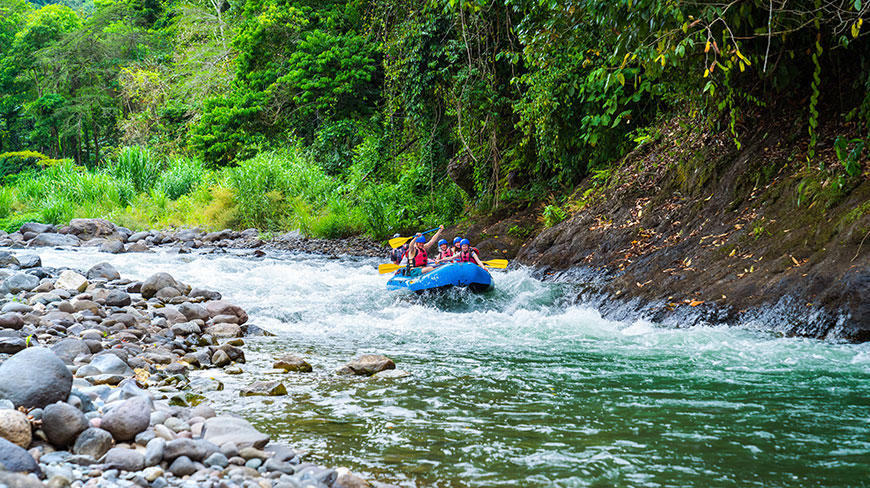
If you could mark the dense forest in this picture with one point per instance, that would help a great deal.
(341, 117)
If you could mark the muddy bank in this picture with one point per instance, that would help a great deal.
(693, 230)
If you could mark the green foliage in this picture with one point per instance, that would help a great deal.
(552, 215)
(138, 166)
(181, 177)
(849, 158)
(7, 198)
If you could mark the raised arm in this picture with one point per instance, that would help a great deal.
(434, 238)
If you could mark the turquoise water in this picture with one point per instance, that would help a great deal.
(522, 387)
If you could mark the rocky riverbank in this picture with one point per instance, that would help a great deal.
(96, 383)
(111, 238)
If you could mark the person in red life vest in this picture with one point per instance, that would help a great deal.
(445, 253)
(418, 254)
(468, 254)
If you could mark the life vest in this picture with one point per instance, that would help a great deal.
(446, 254)
(465, 257)
(396, 255)
(421, 258)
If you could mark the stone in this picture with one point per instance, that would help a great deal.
(35, 227)
(316, 475)
(152, 473)
(216, 459)
(203, 411)
(29, 261)
(171, 314)
(207, 294)
(69, 349)
(16, 307)
(118, 298)
(15, 428)
(128, 419)
(70, 280)
(292, 363)
(154, 451)
(14, 480)
(109, 363)
(124, 459)
(91, 228)
(138, 236)
(104, 271)
(224, 308)
(14, 458)
(182, 466)
(220, 359)
(193, 311)
(224, 330)
(253, 453)
(11, 320)
(167, 294)
(196, 450)
(367, 365)
(62, 423)
(93, 442)
(12, 345)
(8, 259)
(223, 429)
(21, 282)
(346, 479)
(155, 283)
(51, 239)
(113, 247)
(34, 377)
(185, 328)
(264, 388)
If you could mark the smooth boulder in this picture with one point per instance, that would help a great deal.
(128, 419)
(367, 365)
(104, 271)
(70, 280)
(15, 428)
(35, 377)
(157, 282)
(51, 239)
(16, 459)
(93, 442)
(223, 428)
(62, 423)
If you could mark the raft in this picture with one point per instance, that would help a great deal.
(467, 275)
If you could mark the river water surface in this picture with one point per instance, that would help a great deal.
(523, 387)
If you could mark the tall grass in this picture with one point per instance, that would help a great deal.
(181, 177)
(7, 199)
(137, 165)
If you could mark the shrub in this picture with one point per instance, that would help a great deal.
(553, 215)
(181, 178)
(137, 165)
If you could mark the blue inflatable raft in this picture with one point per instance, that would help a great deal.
(468, 275)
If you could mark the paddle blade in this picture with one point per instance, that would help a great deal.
(398, 241)
(496, 263)
(389, 268)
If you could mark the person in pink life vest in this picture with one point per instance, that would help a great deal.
(468, 254)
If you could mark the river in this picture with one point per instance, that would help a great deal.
(523, 387)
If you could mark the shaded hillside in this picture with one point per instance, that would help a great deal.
(691, 229)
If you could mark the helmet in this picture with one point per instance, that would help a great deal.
(396, 235)
(464, 242)
(442, 241)
(420, 239)
(456, 240)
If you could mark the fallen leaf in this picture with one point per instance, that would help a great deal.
(695, 303)
(795, 261)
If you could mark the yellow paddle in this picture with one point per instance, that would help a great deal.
(389, 268)
(399, 241)
(496, 263)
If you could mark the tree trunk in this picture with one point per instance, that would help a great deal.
(96, 134)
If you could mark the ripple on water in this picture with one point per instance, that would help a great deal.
(514, 388)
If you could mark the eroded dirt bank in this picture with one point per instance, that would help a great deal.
(692, 230)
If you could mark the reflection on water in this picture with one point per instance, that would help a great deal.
(514, 388)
